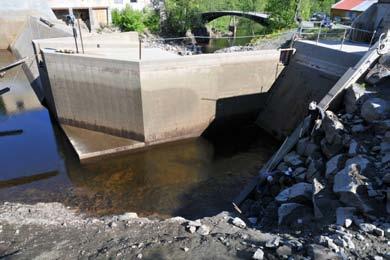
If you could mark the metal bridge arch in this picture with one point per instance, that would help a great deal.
(260, 18)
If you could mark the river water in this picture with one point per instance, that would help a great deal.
(193, 178)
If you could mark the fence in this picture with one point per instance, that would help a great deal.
(338, 34)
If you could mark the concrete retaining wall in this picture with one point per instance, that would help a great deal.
(23, 47)
(180, 95)
(20, 25)
(153, 101)
(95, 93)
(13, 16)
(311, 73)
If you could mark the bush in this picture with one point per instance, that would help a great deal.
(151, 20)
(132, 20)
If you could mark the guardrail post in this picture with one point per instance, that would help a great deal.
(342, 42)
(319, 33)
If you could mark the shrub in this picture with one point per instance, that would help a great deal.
(128, 19)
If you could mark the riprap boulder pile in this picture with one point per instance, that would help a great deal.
(338, 175)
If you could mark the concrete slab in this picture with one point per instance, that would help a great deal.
(91, 144)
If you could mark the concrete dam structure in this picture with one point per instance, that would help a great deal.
(118, 97)
(162, 97)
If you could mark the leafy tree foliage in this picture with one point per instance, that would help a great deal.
(132, 20)
(182, 15)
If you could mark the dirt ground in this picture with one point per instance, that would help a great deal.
(52, 231)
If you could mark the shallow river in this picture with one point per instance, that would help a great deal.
(192, 178)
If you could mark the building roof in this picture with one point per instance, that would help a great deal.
(354, 5)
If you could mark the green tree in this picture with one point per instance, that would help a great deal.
(128, 19)
(132, 20)
(182, 15)
(282, 13)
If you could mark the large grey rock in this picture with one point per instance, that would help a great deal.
(284, 251)
(317, 187)
(298, 192)
(353, 148)
(344, 216)
(345, 184)
(334, 165)
(353, 98)
(293, 159)
(306, 147)
(333, 128)
(239, 223)
(272, 243)
(315, 169)
(359, 160)
(203, 230)
(328, 242)
(377, 74)
(258, 255)
(299, 173)
(318, 252)
(348, 179)
(329, 149)
(375, 109)
(367, 227)
(385, 147)
(286, 209)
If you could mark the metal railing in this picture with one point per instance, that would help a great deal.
(338, 34)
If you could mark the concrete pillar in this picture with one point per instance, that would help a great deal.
(92, 18)
(109, 18)
(70, 11)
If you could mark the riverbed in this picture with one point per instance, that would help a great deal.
(192, 178)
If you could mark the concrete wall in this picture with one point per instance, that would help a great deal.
(23, 47)
(13, 16)
(179, 95)
(96, 93)
(311, 73)
(155, 100)
(20, 25)
(376, 18)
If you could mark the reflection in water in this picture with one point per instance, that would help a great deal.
(192, 178)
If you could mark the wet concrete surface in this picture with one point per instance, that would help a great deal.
(192, 178)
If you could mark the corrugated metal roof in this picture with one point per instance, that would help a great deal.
(365, 5)
(354, 5)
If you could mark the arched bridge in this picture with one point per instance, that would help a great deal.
(260, 18)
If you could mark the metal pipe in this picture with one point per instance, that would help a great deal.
(319, 33)
(81, 35)
(4, 90)
(47, 22)
(140, 49)
(342, 41)
(12, 65)
(75, 38)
